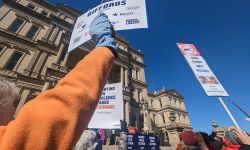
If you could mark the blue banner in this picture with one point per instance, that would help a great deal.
(143, 142)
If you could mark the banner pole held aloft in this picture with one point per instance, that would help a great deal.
(229, 113)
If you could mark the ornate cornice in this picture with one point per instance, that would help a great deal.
(137, 82)
(55, 73)
(119, 38)
(136, 52)
(29, 82)
(167, 108)
(168, 92)
(46, 4)
(137, 63)
(62, 23)
(69, 10)
(13, 38)
(26, 10)
(45, 46)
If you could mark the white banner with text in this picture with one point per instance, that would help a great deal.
(109, 111)
(123, 15)
(202, 71)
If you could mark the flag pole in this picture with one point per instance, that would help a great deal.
(229, 113)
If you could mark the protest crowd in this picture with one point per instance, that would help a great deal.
(231, 139)
(57, 118)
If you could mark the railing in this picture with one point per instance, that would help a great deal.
(59, 68)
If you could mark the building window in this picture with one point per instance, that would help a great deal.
(139, 95)
(163, 119)
(160, 103)
(32, 32)
(137, 74)
(30, 6)
(14, 60)
(16, 25)
(45, 13)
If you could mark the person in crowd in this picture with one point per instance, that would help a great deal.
(123, 126)
(107, 136)
(203, 140)
(188, 140)
(243, 138)
(112, 138)
(55, 119)
(214, 142)
(87, 141)
(8, 95)
(101, 139)
(230, 141)
(131, 130)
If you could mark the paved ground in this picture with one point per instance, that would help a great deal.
(115, 148)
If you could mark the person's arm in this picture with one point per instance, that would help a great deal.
(242, 136)
(57, 118)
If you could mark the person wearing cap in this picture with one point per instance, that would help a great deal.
(55, 119)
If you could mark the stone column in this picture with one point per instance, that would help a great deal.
(32, 63)
(23, 99)
(60, 52)
(126, 77)
(65, 60)
(46, 37)
(4, 11)
(127, 111)
(54, 34)
(121, 76)
(46, 86)
(40, 63)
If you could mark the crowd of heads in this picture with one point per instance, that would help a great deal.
(230, 139)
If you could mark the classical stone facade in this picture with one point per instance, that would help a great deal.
(168, 115)
(34, 37)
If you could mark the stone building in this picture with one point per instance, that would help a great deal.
(168, 115)
(34, 37)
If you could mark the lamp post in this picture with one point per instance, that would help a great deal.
(144, 107)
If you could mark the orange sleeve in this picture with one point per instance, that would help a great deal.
(57, 118)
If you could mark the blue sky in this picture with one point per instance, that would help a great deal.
(219, 29)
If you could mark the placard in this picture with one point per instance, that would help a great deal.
(203, 73)
(109, 111)
(123, 15)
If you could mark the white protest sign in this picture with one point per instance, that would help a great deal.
(109, 111)
(203, 73)
(123, 15)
